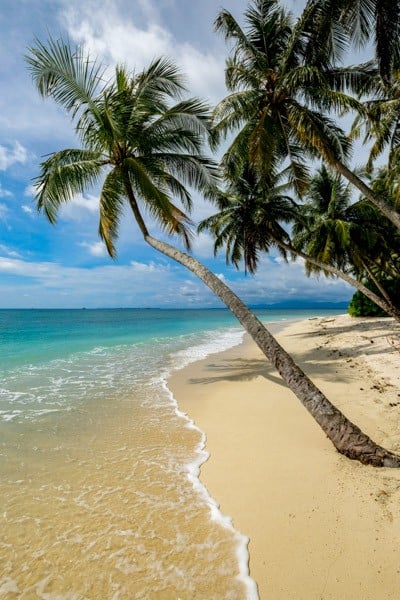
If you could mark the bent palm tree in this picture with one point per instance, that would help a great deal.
(335, 232)
(249, 222)
(282, 90)
(149, 150)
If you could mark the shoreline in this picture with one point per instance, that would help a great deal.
(320, 526)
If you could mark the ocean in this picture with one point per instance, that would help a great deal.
(99, 487)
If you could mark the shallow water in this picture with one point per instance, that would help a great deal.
(98, 476)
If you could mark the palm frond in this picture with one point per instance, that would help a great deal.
(112, 198)
(67, 75)
(318, 134)
(162, 78)
(63, 175)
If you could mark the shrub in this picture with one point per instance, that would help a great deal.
(361, 306)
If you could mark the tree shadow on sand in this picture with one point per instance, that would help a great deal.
(238, 369)
(326, 334)
(320, 361)
(241, 369)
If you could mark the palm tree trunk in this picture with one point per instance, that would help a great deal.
(391, 214)
(347, 438)
(386, 306)
(377, 284)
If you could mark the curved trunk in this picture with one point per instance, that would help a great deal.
(384, 305)
(377, 284)
(389, 213)
(347, 438)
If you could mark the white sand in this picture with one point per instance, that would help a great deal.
(321, 527)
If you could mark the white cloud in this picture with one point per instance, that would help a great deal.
(95, 248)
(277, 281)
(74, 210)
(9, 251)
(11, 265)
(27, 209)
(10, 156)
(151, 284)
(203, 245)
(30, 191)
(150, 267)
(107, 35)
(50, 284)
(4, 193)
(79, 206)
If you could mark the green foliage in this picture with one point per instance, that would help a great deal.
(283, 95)
(140, 140)
(250, 218)
(361, 306)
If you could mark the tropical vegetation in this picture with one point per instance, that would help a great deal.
(142, 142)
(330, 234)
(286, 88)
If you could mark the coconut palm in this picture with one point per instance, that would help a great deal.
(342, 234)
(385, 266)
(362, 21)
(250, 220)
(146, 147)
(381, 124)
(327, 236)
(281, 93)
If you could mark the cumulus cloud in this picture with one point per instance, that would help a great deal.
(52, 284)
(107, 34)
(95, 248)
(30, 191)
(277, 281)
(152, 284)
(203, 245)
(150, 267)
(74, 210)
(9, 156)
(79, 207)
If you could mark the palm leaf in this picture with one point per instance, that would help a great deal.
(65, 174)
(67, 75)
(112, 198)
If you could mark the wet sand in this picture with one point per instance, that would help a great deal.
(321, 527)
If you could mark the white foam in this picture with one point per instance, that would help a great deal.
(218, 342)
(193, 470)
(224, 341)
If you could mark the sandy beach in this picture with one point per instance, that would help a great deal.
(321, 527)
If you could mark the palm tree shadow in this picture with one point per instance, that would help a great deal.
(365, 343)
(238, 369)
(241, 369)
(326, 364)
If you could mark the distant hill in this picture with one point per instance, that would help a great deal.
(302, 305)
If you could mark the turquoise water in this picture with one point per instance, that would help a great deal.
(97, 462)
(56, 360)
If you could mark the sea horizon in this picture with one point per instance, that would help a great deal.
(279, 306)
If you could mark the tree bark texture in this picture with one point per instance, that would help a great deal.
(347, 438)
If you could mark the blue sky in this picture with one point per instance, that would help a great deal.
(66, 265)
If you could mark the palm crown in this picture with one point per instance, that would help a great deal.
(136, 133)
(334, 230)
(281, 91)
(250, 218)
